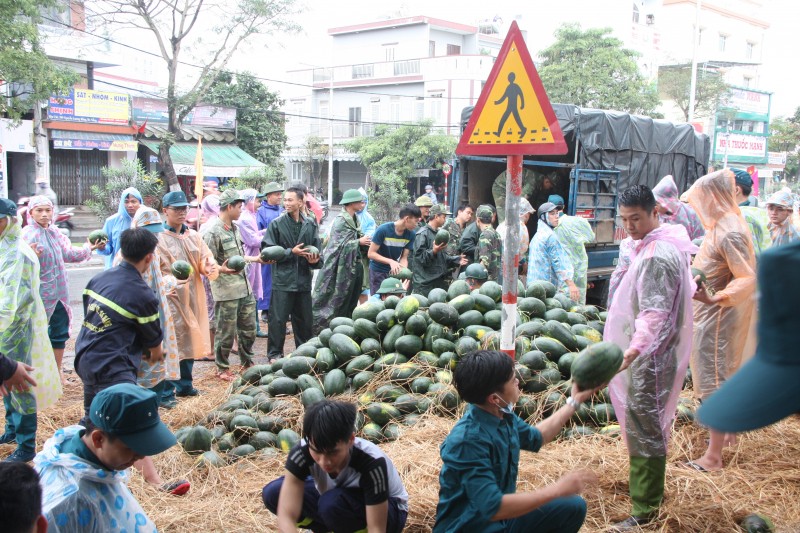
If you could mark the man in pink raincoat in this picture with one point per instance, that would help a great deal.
(651, 319)
(54, 249)
(251, 239)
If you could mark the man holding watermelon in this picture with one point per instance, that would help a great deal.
(651, 315)
(431, 264)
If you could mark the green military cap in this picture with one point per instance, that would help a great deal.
(391, 286)
(424, 201)
(440, 209)
(7, 208)
(351, 196)
(476, 271)
(271, 188)
(228, 197)
(484, 213)
(175, 199)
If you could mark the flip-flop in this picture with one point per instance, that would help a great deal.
(697, 467)
(178, 487)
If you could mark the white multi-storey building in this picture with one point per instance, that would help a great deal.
(402, 70)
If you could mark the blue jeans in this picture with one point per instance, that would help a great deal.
(182, 385)
(562, 515)
(21, 427)
(337, 510)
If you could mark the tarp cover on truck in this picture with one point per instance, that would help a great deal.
(643, 149)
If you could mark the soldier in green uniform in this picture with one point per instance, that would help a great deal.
(536, 187)
(235, 306)
(489, 253)
(424, 203)
(431, 264)
(291, 276)
(455, 226)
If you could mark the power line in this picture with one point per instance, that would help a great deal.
(297, 84)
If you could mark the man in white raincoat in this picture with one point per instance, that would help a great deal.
(651, 319)
(721, 319)
(574, 233)
(84, 471)
(548, 261)
(23, 335)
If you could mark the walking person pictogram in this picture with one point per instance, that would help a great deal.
(511, 94)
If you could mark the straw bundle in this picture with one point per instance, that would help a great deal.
(761, 475)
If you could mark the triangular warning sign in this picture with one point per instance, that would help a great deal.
(513, 115)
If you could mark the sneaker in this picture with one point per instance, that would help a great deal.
(632, 523)
(6, 438)
(20, 456)
(185, 393)
(179, 487)
(170, 403)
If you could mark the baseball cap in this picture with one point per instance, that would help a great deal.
(424, 201)
(228, 197)
(555, 199)
(130, 413)
(743, 403)
(484, 213)
(391, 286)
(7, 208)
(742, 177)
(440, 209)
(429, 187)
(175, 199)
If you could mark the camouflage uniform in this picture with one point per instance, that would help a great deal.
(235, 306)
(531, 190)
(455, 231)
(489, 253)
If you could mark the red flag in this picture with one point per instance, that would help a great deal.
(140, 131)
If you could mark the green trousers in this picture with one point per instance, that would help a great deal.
(646, 480)
(235, 319)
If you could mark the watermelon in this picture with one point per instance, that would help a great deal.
(371, 347)
(403, 274)
(98, 235)
(282, 386)
(311, 396)
(409, 345)
(344, 347)
(483, 303)
(296, 366)
(385, 320)
(470, 318)
(463, 303)
(596, 365)
(364, 329)
(342, 321)
(273, 253)
(182, 270)
(362, 379)
(372, 432)
(358, 364)
(287, 439)
(444, 314)
(492, 289)
(272, 424)
(236, 263)
(535, 360)
(263, 439)
(536, 290)
(416, 325)
(442, 237)
(211, 458)
(457, 288)
(406, 308)
(326, 360)
(532, 307)
(383, 413)
(392, 431)
(437, 295)
(421, 385)
(556, 330)
(756, 523)
(243, 425)
(226, 443)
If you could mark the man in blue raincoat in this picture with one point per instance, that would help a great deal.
(270, 210)
(129, 202)
(548, 261)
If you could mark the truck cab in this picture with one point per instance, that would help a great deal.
(607, 152)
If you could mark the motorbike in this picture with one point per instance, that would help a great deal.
(324, 206)
(63, 219)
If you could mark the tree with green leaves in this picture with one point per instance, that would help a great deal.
(314, 152)
(392, 155)
(784, 136)
(590, 68)
(210, 33)
(259, 121)
(27, 75)
(674, 84)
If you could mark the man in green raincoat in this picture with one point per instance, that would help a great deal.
(23, 336)
(431, 264)
(340, 280)
(573, 233)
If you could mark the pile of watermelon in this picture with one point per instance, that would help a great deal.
(397, 356)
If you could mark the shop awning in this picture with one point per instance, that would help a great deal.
(223, 160)
(86, 140)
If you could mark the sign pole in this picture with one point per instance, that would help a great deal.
(508, 331)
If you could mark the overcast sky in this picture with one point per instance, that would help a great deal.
(780, 72)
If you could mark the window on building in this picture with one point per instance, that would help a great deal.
(297, 171)
(394, 110)
(388, 51)
(431, 48)
(747, 81)
(453, 50)
(723, 40)
(419, 109)
(354, 117)
(363, 71)
(635, 14)
(749, 49)
(322, 120)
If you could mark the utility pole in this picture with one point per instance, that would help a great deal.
(693, 84)
(41, 149)
(330, 139)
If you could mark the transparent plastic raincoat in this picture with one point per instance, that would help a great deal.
(547, 259)
(786, 232)
(23, 322)
(81, 496)
(56, 250)
(188, 305)
(574, 233)
(251, 241)
(666, 193)
(652, 312)
(726, 258)
(115, 225)
(150, 374)
(757, 220)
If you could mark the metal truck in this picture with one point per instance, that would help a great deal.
(608, 152)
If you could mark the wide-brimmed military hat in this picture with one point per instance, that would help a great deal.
(271, 188)
(351, 196)
(391, 286)
(764, 390)
(440, 209)
(424, 201)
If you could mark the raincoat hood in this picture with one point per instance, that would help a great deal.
(666, 193)
(713, 197)
(121, 211)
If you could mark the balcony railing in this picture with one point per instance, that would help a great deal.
(443, 67)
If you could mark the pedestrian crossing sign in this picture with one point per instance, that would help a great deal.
(513, 115)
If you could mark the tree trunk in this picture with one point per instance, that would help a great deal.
(165, 160)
